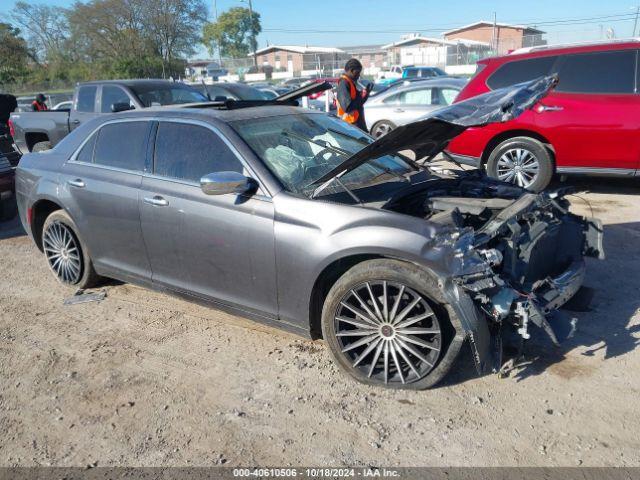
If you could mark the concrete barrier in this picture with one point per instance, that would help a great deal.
(254, 77)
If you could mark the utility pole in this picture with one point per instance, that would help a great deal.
(494, 39)
(253, 36)
(215, 12)
(635, 22)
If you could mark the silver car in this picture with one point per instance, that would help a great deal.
(294, 218)
(402, 104)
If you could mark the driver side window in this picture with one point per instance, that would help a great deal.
(189, 152)
(112, 95)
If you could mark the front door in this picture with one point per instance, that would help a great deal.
(217, 247)
(592, 116)
(84, 105)
(103, 182)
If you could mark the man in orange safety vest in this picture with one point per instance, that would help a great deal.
(350, 100)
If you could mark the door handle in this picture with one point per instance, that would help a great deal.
(541, 108)
(78, 183)
(156, 201)
(76, 121)
(398, 110)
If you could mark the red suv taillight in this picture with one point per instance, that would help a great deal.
(12, 131)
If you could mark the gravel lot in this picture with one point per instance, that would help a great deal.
(144, 379)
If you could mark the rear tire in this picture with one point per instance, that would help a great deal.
(66, 254)
(41, 147)
(420, 344)
(381, 128)
(523, 161)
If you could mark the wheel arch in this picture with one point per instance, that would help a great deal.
(40, 210)
(31, 138)
(323, 283)
(501, 137)
(330, 274)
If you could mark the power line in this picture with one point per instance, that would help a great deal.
(445, 27)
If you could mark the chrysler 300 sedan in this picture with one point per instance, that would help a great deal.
(295, 218)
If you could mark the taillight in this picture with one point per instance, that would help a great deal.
(29, 216)
(12, 131)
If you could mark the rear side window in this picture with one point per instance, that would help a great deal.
(189, 152)
(520, 71)
(444, 96)
(416, 97)
(86, 99)
(86, 154)
(122, 145)
(599, 72)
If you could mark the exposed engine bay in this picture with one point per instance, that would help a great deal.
(518, 255)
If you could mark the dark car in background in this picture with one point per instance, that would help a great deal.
(232, 91)
(293, 217)
(588, 125)
(7, 189)
(37, 131)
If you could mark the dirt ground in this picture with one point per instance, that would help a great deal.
(144, 379)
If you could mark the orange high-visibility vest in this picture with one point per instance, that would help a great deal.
(40, 107)
(348, 117)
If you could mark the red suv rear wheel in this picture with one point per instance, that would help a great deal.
(523, 161)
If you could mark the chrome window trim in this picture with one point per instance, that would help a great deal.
(73, 159)
(74, 156)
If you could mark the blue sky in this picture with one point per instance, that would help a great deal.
(327, 22)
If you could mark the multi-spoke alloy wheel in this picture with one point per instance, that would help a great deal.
(519, 166)
(63, 252)
(388, 331)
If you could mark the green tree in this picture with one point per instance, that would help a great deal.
(233, 32)
(14, 55)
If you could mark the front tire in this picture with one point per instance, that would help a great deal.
(66, 254)
(523, 161)
(384, 327)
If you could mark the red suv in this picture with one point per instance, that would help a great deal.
(589, 124)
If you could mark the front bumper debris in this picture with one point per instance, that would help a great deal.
(511, 275)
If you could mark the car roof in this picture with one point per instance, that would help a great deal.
(430, 82)
(547, 51)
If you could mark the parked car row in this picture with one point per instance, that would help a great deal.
(38, 131)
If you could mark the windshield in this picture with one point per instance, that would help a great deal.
(154, 94)
(301, 148)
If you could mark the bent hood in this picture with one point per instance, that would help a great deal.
(430, 135)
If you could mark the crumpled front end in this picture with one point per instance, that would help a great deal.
(518, 269)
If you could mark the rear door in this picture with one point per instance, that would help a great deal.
(592, 118)
(217, 247)
(103, 180)
(84, 105)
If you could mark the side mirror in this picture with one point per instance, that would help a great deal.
(222, 183)
(121, 107)
(220, 98)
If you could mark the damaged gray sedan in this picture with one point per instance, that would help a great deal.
(297, 219)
